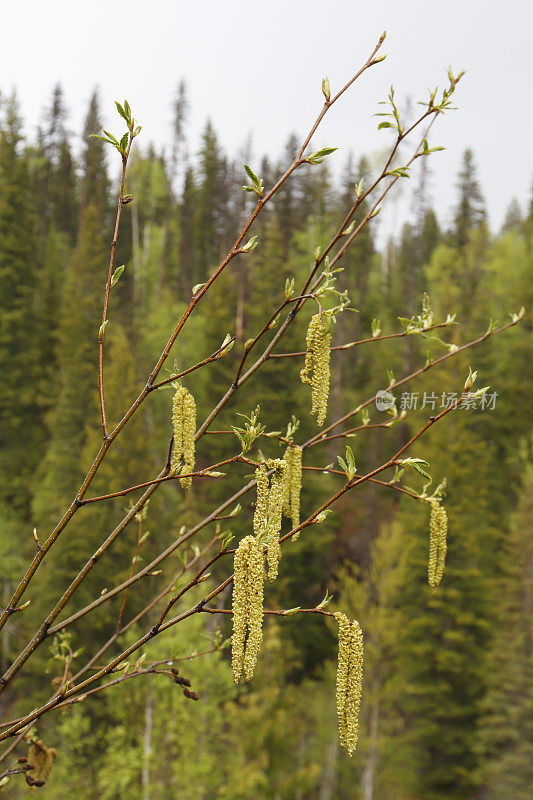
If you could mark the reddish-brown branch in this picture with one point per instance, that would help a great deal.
(114, 242)
(369, 339)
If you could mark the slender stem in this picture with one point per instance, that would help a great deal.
(289, 612)
(108, 288)
(369, 339)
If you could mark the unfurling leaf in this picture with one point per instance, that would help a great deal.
(116, 275)
(250, 245)
(226, 345)
(289, 288)
(291, 611)
(471, 379)
(418, 464)
(349, 465)
(319, 156)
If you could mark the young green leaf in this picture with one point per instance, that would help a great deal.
(116, 275)
(289, 288)
(418, 464)
(471, 379)
(250, 245)
(320, 155)
(349, 465)
(122, 112)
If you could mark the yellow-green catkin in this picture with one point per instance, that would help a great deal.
(293, 485)
(184, 430)
(268, 510)
(275, 505)
(349, 680)
(248, 567)
(438, 532)
(316, 371)
(261, 505)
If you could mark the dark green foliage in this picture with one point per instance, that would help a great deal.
(21, 433)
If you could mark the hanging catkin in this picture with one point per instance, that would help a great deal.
(438, 531)
(184, 430)
(275, 503)
(261, 505)
(349, 680)
(292, 486)
(248, 567)
(268, 510)
(316, 370)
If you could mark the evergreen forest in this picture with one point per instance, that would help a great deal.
(447, 702)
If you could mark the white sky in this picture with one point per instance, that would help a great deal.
(256, 68)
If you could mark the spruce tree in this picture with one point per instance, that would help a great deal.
(20, 341)
(470, 211)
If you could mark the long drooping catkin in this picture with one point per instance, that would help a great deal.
(268, 510)
(349, 680)
(184, 430)
(261, 505)
(247, 636)
(438, 532)
(275, 503)
(293, 485)
(316, 371)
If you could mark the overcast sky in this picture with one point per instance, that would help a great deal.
(256, 68)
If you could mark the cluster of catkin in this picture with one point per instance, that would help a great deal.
(349, 680)
(247, 608)
(438, 531)
(268, 509)
(316, 370)
(184, 429)
(293, 485)
(277, 493)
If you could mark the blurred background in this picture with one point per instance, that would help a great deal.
(448, 694)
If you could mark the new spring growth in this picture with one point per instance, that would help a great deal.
(438, 530)
(184, 429)
(248, 568)
(268, 510)
(292, 485)
(349, 680)
(316, 370)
